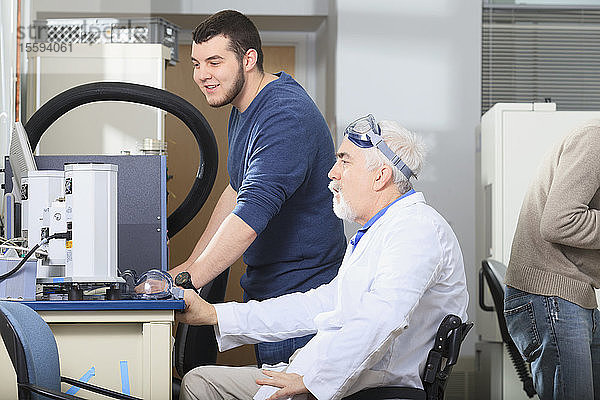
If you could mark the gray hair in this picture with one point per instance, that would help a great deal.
(403, 142)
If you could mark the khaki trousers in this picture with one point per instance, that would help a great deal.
(213, 382)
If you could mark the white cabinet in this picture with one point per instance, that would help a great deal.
(514, 139)
(102, 127)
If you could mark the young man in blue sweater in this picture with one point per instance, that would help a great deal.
(276, 210)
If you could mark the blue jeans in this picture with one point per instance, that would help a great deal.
(276, 352)
(560, 339)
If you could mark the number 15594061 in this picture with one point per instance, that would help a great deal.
(49, 47)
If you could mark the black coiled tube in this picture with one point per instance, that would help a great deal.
(521, 369)
(141, 94)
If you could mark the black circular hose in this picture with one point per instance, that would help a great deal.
(134, 93)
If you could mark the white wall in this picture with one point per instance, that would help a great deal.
(418, 62)
(138, 7)
(256, 7)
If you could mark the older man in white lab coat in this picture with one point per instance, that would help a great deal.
(375, 322)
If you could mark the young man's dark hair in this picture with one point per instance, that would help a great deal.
(235, 26)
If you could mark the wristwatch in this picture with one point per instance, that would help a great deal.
(184, 279)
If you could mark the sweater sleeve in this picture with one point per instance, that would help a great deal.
(279, 162)
(567, 218)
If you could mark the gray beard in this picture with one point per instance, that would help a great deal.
(343, 210)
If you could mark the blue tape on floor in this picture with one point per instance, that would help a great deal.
(124, 378)
(85, 378)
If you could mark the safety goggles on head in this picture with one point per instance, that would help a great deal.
(365, 133)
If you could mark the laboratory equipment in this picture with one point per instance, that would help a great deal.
(21, 286)
(141, 202)
(75, 276)
(80, 205)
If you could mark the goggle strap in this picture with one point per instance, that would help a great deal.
(406, 170)
(393, 157)
(375, 140)
(398, 163)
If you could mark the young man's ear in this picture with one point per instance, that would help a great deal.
(250, 59)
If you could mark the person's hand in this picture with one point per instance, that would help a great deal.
(290, 384)
(197, 311)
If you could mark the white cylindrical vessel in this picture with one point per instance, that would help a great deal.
(91, 211)
(38, 190)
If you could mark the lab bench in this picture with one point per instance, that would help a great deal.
(123, 345)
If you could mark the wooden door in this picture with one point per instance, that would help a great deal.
(182, 165)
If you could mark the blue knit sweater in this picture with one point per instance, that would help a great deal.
(280, 150)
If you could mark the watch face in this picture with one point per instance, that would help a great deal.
(182, 278)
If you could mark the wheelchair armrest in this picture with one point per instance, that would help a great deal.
(434, 360)
(455, 341)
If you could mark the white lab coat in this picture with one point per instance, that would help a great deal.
(376, 320)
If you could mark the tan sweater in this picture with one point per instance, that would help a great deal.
(556, 248)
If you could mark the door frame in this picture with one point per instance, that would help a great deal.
(305, 59)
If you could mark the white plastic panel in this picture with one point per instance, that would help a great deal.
(103, 127)
(528, 138)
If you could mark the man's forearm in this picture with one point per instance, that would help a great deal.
(227, 245)
(224, 207)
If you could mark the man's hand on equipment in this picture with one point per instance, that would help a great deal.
(290, 384)
(197, 311)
